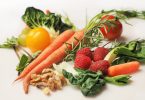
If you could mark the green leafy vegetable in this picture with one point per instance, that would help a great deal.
(53, 23)
(10, 43)
(25, 61)
(118, 80)
(90, 83)
(134, 50)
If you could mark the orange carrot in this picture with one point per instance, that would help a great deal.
(55, 57)
(126, 68)
(50, 49)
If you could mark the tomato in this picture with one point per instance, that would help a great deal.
(113, 31)
(38, 39)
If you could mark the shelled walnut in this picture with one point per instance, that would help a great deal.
(49, 80)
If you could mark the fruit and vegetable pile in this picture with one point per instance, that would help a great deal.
(51, 42)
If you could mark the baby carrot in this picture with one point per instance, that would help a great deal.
(51, 48)
(126, 68)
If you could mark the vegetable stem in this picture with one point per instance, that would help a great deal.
(16, 51)
(25, 52)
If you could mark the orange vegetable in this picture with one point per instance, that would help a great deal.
(51, 48)
(126, 68)
(55, 57)
(38, 39)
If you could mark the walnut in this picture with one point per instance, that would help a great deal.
(46, 91)
(48, 80)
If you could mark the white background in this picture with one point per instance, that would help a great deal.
(11, 24)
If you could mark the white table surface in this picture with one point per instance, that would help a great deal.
(11, 24)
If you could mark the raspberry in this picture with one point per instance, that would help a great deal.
(82, 61)
(85, 51)
(101, 65)
(100, 53)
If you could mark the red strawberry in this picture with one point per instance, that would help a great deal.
(85, 51)
(100, 53)
(101, 65)
(82, 61)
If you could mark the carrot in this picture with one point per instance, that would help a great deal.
(51, 48)
(55, 57)
(126, 68)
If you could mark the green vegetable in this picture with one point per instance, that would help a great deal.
(53, 23)
(134, 50)
(118, 80)
(90, 83)
(10, 43)
(25, 61)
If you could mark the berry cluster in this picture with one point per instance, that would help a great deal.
(92, 60)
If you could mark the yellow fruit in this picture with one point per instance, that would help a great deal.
(38, 39)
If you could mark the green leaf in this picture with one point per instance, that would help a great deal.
(24, 61)
(10, 43)
(36, 18)
(118, 80)
(90, 83)
(132, 51)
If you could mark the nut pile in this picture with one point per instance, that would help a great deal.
(48, 81)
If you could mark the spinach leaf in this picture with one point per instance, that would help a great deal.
(118, 80)
(36, 18)
(90, 83)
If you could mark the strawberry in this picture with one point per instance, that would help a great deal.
(82, 62)
(85, 51)
(101, 65)
(100, 53)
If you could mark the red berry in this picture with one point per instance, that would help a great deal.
(82, 61)
(85, 51)
(101, 65)
(100, 53)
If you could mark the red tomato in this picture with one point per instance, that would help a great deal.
(113, 31)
